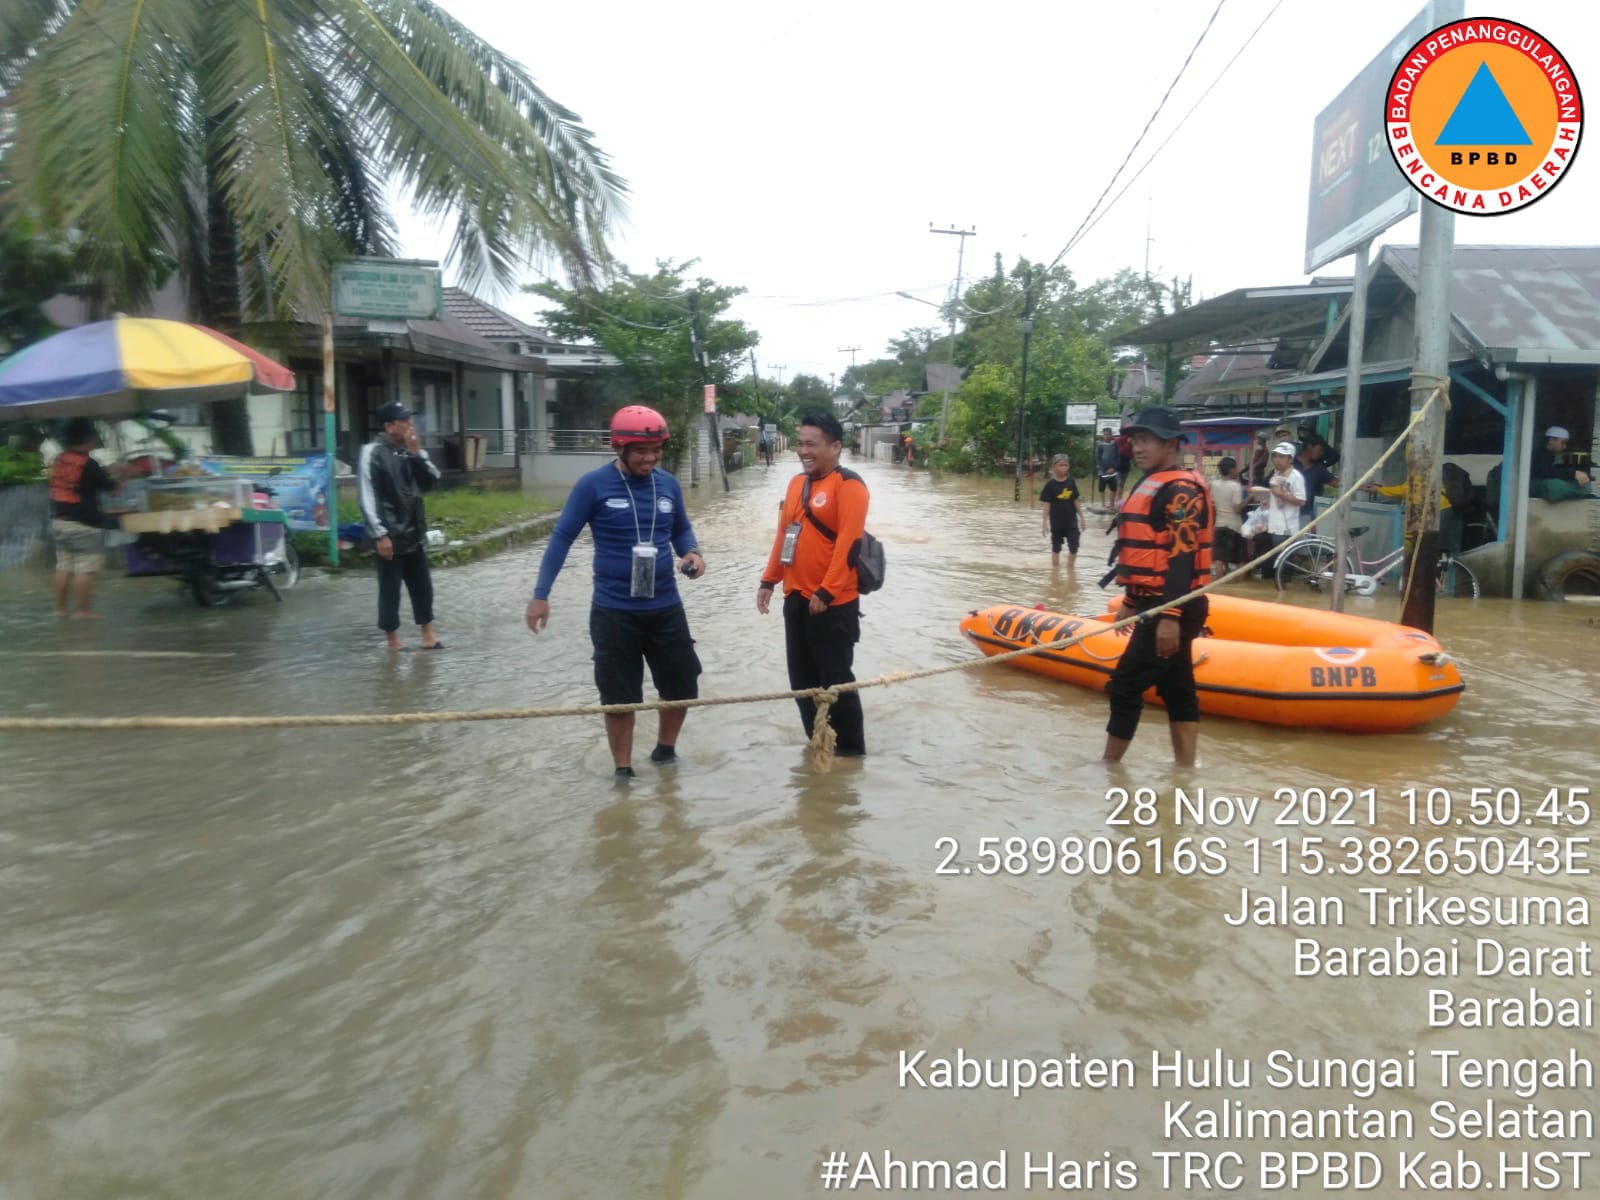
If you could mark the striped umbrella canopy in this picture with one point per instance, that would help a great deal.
(132, 364)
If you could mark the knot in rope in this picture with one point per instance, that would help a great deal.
(823, 738)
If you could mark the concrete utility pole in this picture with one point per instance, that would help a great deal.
(698, 347)
(961, 248)
(1425, 450)
(851, 351)
(1022, 399)
(1352, 407)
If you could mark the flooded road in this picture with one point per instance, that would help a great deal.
(460, 961)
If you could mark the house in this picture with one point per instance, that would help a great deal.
(486, 387)
(1524, 355)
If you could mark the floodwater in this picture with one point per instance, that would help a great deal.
(461, 961)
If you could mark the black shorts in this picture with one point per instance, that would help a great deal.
(1228, 546)
(625, 641)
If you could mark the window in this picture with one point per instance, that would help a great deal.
(305, 416)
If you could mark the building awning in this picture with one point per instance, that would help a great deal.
(1242, 422)
(1389, 371)
(1246, 314)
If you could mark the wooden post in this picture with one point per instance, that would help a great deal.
(329, 433)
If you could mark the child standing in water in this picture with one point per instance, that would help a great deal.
(1227, 500)
(1061, 515)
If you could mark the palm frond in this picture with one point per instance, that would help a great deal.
(265, 128)
(460, 143)
(24, 25)
(99, 136)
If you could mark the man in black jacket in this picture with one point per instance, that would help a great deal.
(393, 472)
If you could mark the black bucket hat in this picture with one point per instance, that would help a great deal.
(1160, 422)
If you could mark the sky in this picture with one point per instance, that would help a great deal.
(802, 152)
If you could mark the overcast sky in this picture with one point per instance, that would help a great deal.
(802, 151)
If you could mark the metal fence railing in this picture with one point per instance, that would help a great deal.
(564, 441)
(496, 441)
(24, 524)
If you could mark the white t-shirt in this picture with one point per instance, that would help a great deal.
(1283, 516)
(1227, 495)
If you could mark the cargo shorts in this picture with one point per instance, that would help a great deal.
(80, 549)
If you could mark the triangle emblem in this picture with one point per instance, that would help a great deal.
(1483, 116)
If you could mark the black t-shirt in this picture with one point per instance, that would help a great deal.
(1062, 497)
(76, 481)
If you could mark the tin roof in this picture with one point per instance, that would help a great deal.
(1521, 303)
(1247, 313)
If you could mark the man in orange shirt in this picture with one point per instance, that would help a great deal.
(823, 517)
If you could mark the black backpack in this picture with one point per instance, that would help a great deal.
(865, 557)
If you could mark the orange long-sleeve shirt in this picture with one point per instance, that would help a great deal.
(821, 567)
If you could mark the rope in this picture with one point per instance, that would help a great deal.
(822, 742)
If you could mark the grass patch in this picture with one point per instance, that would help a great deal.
(461, 514)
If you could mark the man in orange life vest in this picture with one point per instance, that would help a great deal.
(1162, 552)
(77, 521)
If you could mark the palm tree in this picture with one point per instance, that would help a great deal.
(251, 142)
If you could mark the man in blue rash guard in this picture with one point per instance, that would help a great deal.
(636, 514)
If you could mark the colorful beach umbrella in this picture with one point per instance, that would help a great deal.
(131, 364)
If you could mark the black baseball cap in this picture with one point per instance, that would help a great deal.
(1160, 422)
(393, 411)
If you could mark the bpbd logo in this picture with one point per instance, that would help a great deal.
(1484, 116)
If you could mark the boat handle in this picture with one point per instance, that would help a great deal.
(1435, 658)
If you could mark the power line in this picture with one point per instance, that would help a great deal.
(1137, 141)
(1156, 153)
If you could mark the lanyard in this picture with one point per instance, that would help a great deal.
(638, 537)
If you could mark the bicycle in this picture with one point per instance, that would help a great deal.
(1309, 562)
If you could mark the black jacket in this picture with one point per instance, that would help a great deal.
(389, 483)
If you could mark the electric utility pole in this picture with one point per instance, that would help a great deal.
(698, 347)
(1022, 398)
(961, 249)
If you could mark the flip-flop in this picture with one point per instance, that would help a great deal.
(435, 646)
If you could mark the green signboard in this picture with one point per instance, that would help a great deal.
(387, 289)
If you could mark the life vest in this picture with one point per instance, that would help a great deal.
(66, 477)
(1140, 555)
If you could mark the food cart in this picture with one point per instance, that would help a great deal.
(214, 534)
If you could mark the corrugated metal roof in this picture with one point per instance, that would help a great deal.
(1246, 313)
(1242, 370)
(1522, 298)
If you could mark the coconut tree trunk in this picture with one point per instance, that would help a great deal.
(230, 419)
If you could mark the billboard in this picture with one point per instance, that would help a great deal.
(1357, 191)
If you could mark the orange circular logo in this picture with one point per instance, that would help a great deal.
(1484, 116)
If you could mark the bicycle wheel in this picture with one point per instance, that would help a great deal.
(1456, 579)
(1309, 564)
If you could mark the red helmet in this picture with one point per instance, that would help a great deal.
(635, 423)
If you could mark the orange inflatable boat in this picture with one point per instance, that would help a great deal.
(1275, 663)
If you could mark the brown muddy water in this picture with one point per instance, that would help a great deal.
(460, 961)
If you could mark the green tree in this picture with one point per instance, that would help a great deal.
(254, 143)
(1067, 363)
(807, 393)
(33, 268)
(645, 322)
